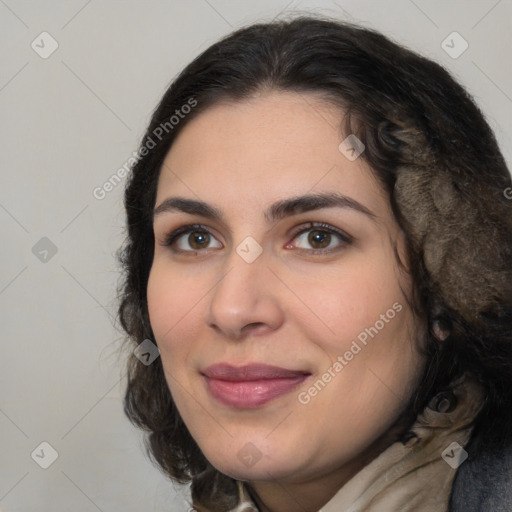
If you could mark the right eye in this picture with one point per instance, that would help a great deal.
(198, 239)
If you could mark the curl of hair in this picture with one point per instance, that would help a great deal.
(435, 155)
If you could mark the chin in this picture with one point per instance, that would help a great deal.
(261, 471)
(250, 463)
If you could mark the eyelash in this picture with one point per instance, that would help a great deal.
(319, 226)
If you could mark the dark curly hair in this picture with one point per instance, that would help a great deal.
(435, 156)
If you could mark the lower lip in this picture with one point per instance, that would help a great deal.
(251, 394)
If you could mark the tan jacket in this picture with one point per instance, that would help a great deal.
(415, 476)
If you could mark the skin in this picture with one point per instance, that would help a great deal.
(290, 307)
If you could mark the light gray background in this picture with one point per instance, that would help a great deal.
(68, 123)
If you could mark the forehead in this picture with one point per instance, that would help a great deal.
(262, 149)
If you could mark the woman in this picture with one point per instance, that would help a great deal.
(319, 243)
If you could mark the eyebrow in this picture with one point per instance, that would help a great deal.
(277, 211)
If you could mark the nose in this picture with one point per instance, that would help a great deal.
(245, 300)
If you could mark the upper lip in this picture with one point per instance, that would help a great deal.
(250, 372)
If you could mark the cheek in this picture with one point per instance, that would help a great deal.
(171, 306)
(353, 304)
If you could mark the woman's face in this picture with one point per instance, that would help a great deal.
(281, 319)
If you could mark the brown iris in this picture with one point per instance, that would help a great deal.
(198, 239)
(321, 238)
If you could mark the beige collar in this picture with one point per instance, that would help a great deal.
(415, 476)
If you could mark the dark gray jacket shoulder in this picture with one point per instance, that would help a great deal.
(484, 483)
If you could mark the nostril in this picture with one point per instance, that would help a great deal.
(255, 327)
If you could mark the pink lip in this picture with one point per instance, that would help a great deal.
(250, 386)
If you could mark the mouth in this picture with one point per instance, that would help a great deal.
(250, 386)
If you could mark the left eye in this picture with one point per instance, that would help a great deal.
(320, 239)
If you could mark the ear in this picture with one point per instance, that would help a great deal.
(440, 330)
